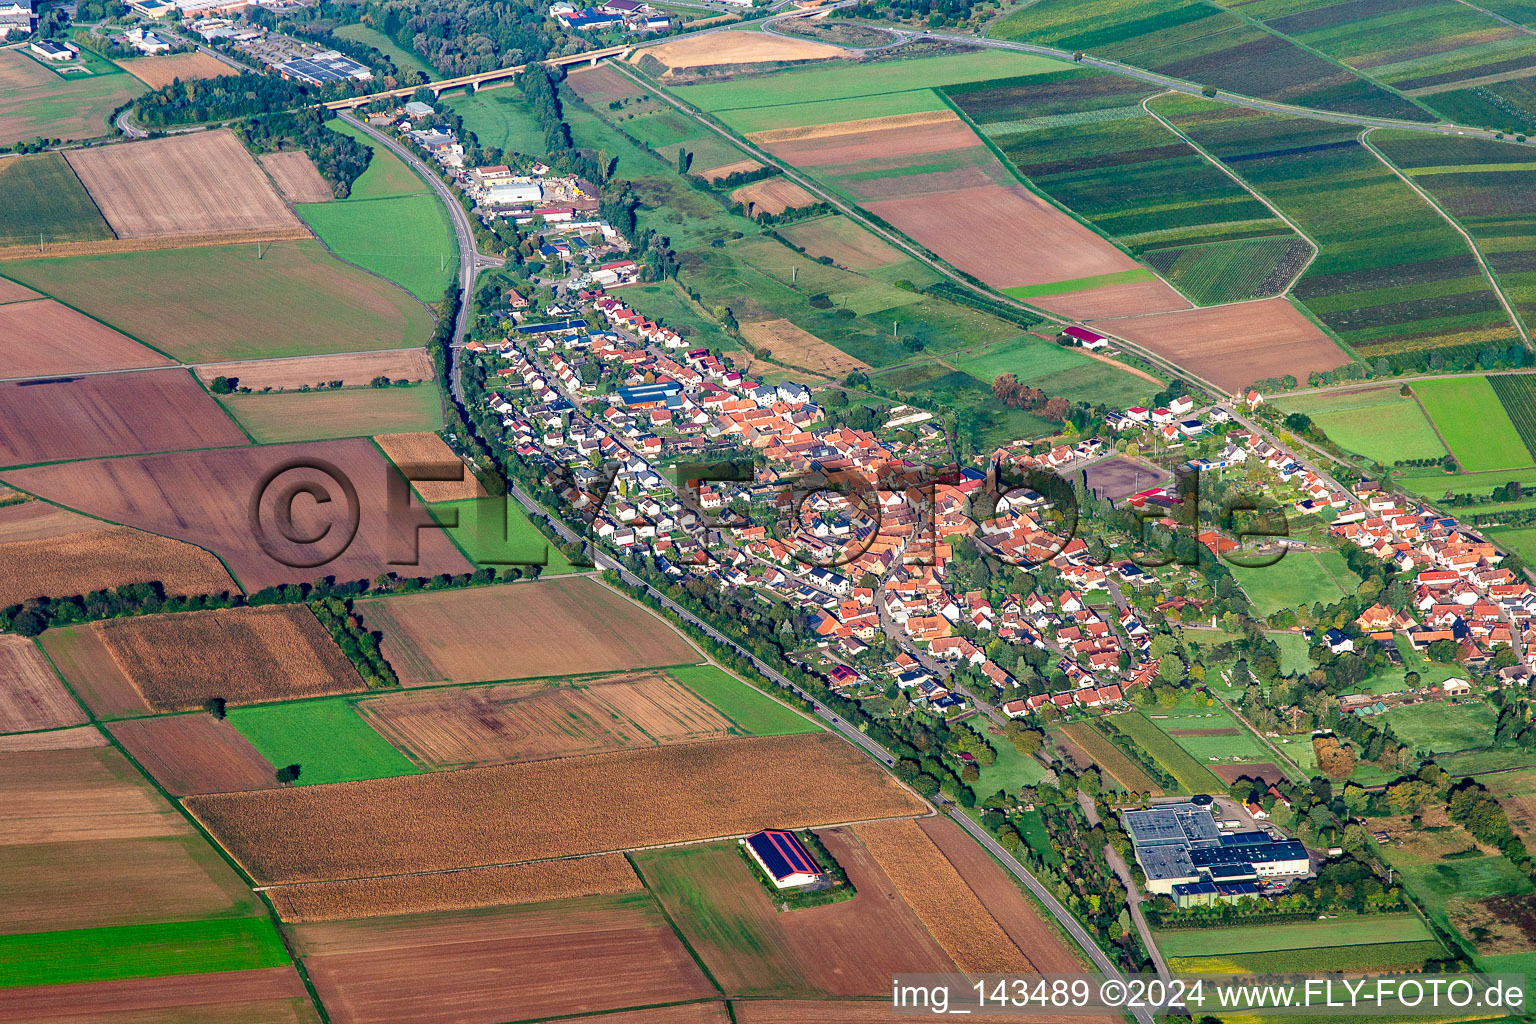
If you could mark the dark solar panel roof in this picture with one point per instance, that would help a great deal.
(783, 854)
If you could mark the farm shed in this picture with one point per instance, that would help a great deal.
(783, 857)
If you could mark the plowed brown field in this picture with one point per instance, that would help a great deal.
(529, 722)
(773, 196)
(726, 170)
(402, 364)
(60, 796)
(203, 183)
(594, 804)
(507, 885)
(195, 753)
(53, 739)
(1233, 346)
(558, 627)
(10, 291)
(157, 72)
(31, 696)
(82, 561)
(954, 134)
(274, 995)
(1128, 299)
(847, 949)
(678, 1013)
(296, 177)
(245, 655)
(480, 967)
(599, 86)
(430, 451)
(942, 900)
(109, 414)
(30, 335)
(204, 498)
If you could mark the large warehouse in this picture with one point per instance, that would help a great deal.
(1187, 857)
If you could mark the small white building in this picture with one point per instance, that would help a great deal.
(49, 49)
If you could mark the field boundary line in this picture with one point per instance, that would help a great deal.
(1493, 281)
(115, 245)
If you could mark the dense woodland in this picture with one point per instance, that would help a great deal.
(339, 158)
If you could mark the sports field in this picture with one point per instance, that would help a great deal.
(296, 299)
(755, 712)
(405, 239)
(480, 534)
(326, 738)
(348, 412)
(1299, 578)
(45, 202)
(1468, 414)
(139, 951)
(1378, 423)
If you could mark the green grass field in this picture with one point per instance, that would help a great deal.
(405, 60)
(1520, 540)
(349, 412)
(36, 102)
(327, 739)
(222, 303)
(387, 175)
(1239, 745)
(1474, 424)
(406, 239)
(755, 712)
(1375, 956)
(1378, 423)
(1010, 772)
(1260, 938)
(1078, 284)
(46, 202)
(1294, 656)
(1438, 727)
(1176, 761)
(139, 951)
(500, 118)
(1298, 578)
(483, 538)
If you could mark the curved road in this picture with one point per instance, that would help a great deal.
(471, 260)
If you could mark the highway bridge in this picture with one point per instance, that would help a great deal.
(473, 82)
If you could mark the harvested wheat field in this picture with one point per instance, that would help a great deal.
(54, 739)
(1233, 346)
(726, 170)
(99, 559)
(872, 138)
(191, 754)
(530, 721)
(483, 966)
(245, 655)
(556, 627)
(158, 72)
(850, 948)
(600, 86)
(772, 196)
(843, 242)
(1127, 299)
(789, 344)
(109, 414)
(89, 667)
(501, 886)
(195, 185)
(594, 804)
(717, 48)
(280, 374)
(296, 177)
(935, 890)
(58, 796)
(31, 696)
(431, 452)
(204, 498)
(40, 337)
(272, 995)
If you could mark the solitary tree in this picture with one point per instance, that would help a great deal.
(288, 774)
(214, 706)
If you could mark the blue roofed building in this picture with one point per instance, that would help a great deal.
(783, 858)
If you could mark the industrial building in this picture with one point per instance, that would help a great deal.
(783, 858)
(329, 66)
(1185, 855)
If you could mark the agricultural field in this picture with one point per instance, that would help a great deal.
(1083, 138)
(78, 738)
(194, 753)
(560, 627)
(29, 327)
(584, 955)
(274, 995)
(327, 739)
(31, 696)
(293, 300)
(449, 727)
(753, 711)
(1468, 415)
(751, 949)
(206, 499)
(1097, 750)
(1378, 423)
(1203, 43)
(387, 175)
(772, 196)
(1235, 345)
(46, 202)
(500, 118)
(1395, 282)
(497, 532)
(197, 186)
(1441, 728)
(843, 242)
(602, 802)
(106, 799)
(35, 101)
(506, 885)
(1517, 792)
(404, 239)
(347, 412)
(295, 176)
(427, 451)
(1376, 956)
(733, 48)
(158, 72)
(1375, 928)
(139, 951)
(355, 370)
(1175, 760)
(245, 655)
(109, 414)
(1517, 394)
